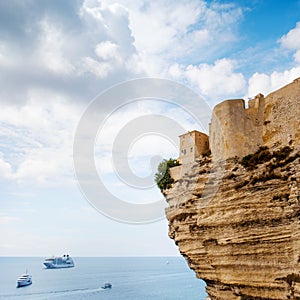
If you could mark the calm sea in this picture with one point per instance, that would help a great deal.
(132, 279)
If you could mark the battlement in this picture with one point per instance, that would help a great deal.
(236, 130)
(268, 121)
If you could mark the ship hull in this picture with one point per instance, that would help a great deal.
(53, 266)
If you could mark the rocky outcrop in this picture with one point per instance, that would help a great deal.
(237, 221)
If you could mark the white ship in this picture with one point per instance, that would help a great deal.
(56, 262)
(24, 280)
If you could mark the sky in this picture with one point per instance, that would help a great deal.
(59, 60)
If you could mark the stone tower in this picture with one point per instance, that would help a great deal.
(236, 130)
(192, 145)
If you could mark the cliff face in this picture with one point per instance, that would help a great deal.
(237, 224)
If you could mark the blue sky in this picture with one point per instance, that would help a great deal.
(56, 56)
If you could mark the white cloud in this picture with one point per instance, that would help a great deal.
(107, 50)
(292, 41)
(51, 51)
(5, 168)
(213, 81)
(99, 69)
(164, 32)
(37, 139)
(119, 40)
(265, 84)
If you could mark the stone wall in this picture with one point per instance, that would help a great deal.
(175, 172)
(282, 116)
(268, 121)
(192, 145)
(236, 130)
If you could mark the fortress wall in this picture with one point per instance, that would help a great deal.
(254, 120)
(235, 130)
(227, 129)
(282, 117)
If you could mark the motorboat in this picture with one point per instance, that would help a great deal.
(24, 280)
(57, 262)
(107, 285)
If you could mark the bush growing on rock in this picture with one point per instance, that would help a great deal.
(163, 178)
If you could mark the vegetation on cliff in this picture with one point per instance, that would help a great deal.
(263, 155)
(163, 178)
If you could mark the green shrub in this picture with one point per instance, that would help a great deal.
(163, 178)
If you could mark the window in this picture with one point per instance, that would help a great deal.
(191, 149)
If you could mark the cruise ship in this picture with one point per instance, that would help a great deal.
(56, 262)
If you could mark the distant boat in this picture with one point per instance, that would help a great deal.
(24, 280)
(56, 262)
(107, 285)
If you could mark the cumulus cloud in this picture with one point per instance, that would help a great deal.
(51, 50)
(266, 83)
(215, 82)
(166, 32)
(292, 41)
(60, 55)
(107, 50)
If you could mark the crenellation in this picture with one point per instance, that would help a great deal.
(268, 121)
(236, 130)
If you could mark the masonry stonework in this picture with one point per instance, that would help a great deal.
(236, 130)
(268, 121)
(282, 117)
(192, 145)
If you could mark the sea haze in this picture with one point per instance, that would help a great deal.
(134, 278)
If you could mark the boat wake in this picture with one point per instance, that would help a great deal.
(57, 293)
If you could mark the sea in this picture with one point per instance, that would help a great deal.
(132, 278)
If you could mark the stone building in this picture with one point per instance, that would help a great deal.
(236, 130)
(193, 144)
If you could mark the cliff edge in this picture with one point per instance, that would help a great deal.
(235, 219)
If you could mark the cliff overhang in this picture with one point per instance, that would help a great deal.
(236, 218)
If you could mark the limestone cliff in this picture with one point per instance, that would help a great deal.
(236, 221)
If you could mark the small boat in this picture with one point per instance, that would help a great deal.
(24, 280)
(107, 285)
(55, 262)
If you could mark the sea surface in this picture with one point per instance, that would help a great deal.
(134, 278)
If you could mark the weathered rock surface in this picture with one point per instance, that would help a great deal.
(245, 240)
(239, 227)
